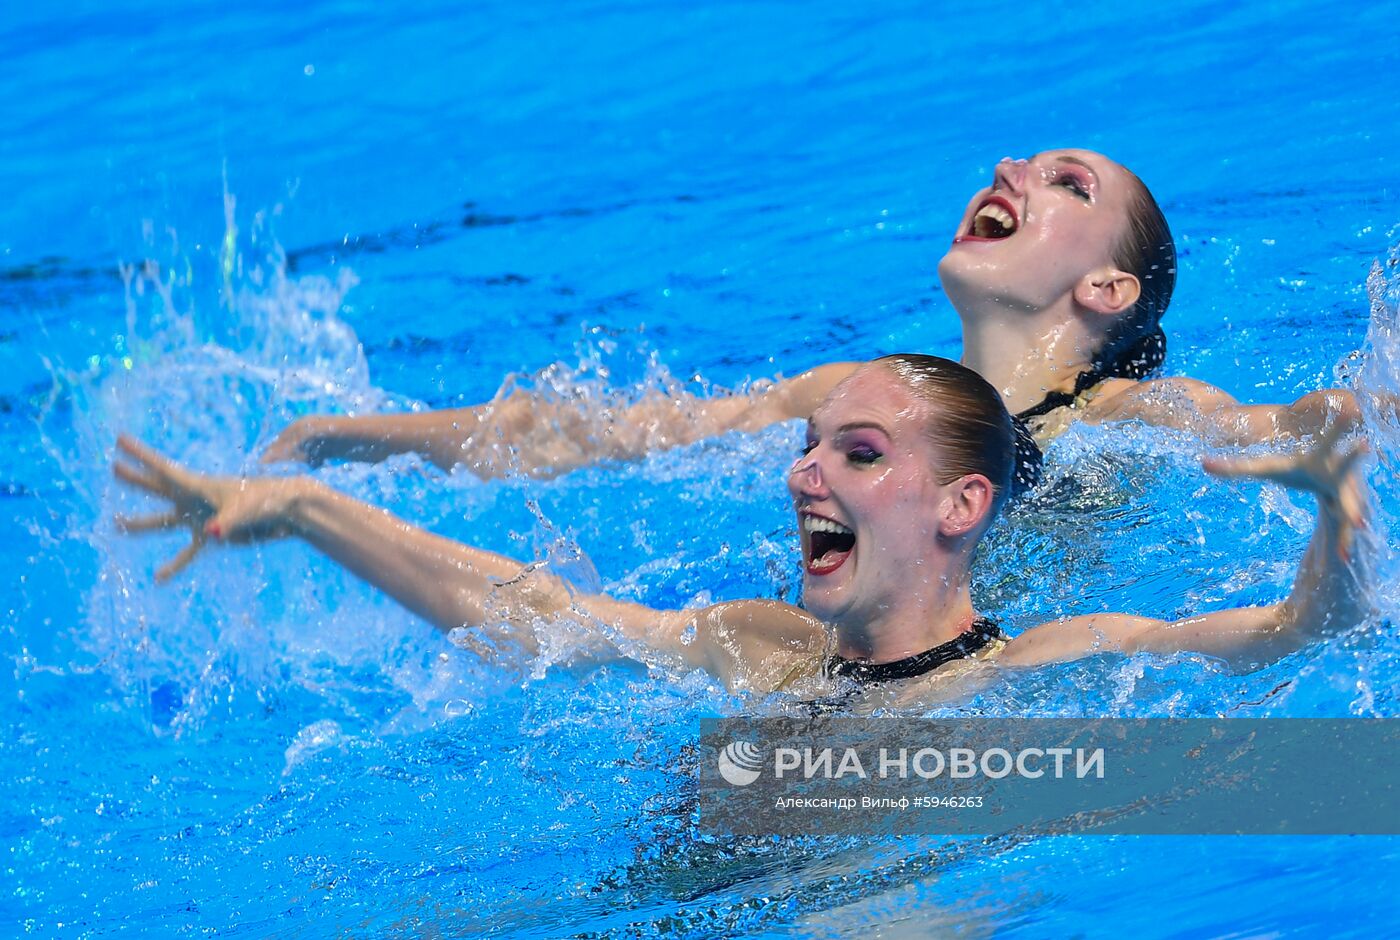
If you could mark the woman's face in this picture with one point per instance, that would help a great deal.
(862, 491)
(1044, 223)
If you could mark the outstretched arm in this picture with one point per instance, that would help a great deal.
(539, 437)
(744, 643)
(1329, 592)
(1203, 409)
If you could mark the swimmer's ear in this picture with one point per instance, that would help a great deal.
(966, 506)
(1109, 291)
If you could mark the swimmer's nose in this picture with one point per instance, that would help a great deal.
(805, 477)
(1011, 174)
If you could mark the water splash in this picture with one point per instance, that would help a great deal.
(206, 377)
(1378, 378)
(312, 740)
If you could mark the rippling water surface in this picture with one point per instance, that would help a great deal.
(218, 218)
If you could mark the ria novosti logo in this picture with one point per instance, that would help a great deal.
(739, 763)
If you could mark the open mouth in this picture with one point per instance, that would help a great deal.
(829, 544)
(995, 219)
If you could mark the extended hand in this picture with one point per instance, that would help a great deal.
(231, 509)
(1327, 469)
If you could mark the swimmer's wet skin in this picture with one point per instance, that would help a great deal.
(915, 509)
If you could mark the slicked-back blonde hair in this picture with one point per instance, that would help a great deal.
(967, 420)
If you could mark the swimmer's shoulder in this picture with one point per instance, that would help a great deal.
(1096, 403)
(1146, 398)
(794, 672)
(1171, 402)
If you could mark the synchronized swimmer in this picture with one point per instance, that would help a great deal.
(908, 460)
(1060, 272)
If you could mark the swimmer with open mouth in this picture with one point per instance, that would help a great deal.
(907, 463)
(1060, 272)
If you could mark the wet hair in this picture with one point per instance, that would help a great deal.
(1136, 345)
(967, 424)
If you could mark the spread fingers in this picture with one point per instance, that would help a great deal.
(156, 463)
(141, 479)
(177, 564)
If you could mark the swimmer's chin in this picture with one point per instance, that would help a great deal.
(818, 600)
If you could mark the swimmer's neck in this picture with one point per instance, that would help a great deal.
(1027, 355)
(938, 614)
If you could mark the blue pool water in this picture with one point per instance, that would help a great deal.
(221, 216)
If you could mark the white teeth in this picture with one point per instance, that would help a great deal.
(998, 215)
(818, 524)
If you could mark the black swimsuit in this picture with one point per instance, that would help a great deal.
(1029, 459)
(862, 675)
(962, 646)
(1142, 360)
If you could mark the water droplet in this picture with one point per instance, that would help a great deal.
(457, 708)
